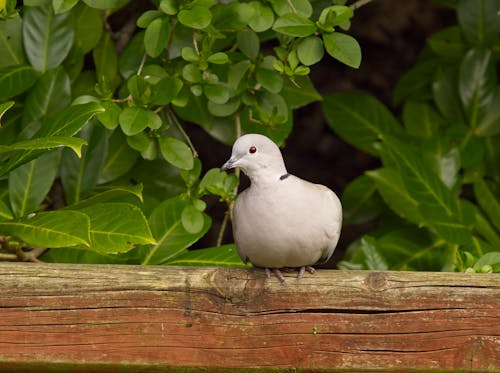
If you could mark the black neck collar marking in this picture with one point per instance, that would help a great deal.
(283, 177)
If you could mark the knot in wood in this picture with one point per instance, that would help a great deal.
(233, 287)
(376, 281)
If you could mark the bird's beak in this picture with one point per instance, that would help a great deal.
(229, 164)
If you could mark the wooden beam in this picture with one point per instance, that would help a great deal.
(146, 318)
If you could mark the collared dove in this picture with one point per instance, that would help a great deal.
(281, 221)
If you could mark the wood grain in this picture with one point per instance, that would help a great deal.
(146, 318)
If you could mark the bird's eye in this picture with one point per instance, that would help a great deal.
(252, 149)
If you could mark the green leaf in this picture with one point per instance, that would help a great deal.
(168, 7)
(477, 83)
(249, 43)
(3, 108)
(30, 183)
(131, 57)
(192, 219)
(115, 193)
(224, 110)
(106, 4)
(166, 90)
(115, 227)
(270, 80)
(47, 37)
(301, 7)
(191, 73)
(488, 202)
(220, 256)
(176, 152)
(490, 259)
(216, 93)
(293, 24)
(61, 6)
(219, 58)
(445, 94)
(50, 229)
(262, 18)
(5, 213)
(11, 44)
(359, 119)
(147, 17)
(46, 143)
(15, 80)
(88, 27)
(344, 48)
(421, 119)
(197, 17)
(167, 228)
(478, 20)
(80, 175)
(336, 15)
(364, 255)
(109, 118)
(360, 202)
(106, 62)
(133, 120)
(156, 36)
(416, 83)
(310, 50)
(392, 189)
(490, 125)
(300, 92)
(447, 43)
(50, 94)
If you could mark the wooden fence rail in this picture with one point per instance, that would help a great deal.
(107, 318)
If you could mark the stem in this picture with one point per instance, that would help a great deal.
(173, 118)
(141, 66)
(358, 4)
(290, 4)
(9, 257)
(222, 229)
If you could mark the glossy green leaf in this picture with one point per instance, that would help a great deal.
(477, 83)
(46, 143)
(5, 212)
(301, 7)
(478, 20)
(249, 43)
(4, 107)
(232, 16)
(109, 118)
(115, 193)
(176, 152)
(169, 7)
(88, 27)
(50, 94)
(131, 57)
(488, 202)
(293, 24)
(364, 254)
(360, 202)
(30, 183)
(15, 80)
(270, 80)
(47, 37)
(191, 73)
(166, 90)
(310, 50)
(344, 48)
(262, 18)
(359, 119)
(221, 256)
(156, 36)
(219, 58)
(147, 17)
(216, 93)
(421, 119)
(11, 44)
(166, 226)
(133, 120)
(335, 15)
(50, 229)
(80, 175)
(61, 6)
(445, 94)
(115, 227)
(120, 158)
(198, 17)
(490, 124)
(106, 61)
(192, 219)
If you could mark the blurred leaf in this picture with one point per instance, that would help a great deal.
(490, 259)
(490, 125)
(478, 20)
(484, 228)
(50, 229)
(415, 84)
(360, 202)
(176, 152)
(447, 42)
(51, 93)
(477, 83)
(421, 119)
(80, 175)
(270, 80)
(192, 219)
(15, 80)
(156, 36)
(359, 119)
(301, 7)
(344, 48)
(198, 17)
(4, 107)
(225, 255)
(445, 94)
(61, 6)
(106, 61)
(217, 93)
(30, 183)
(5, 213)
(167, 228)
(300, 92)
(47, 37)
(293, 24)
(11, 45)
(88, 28)
(131, 57)
(310, 50)
(115, 227)
(224, 110)
(363, 254)
(106, 4)
(248, 43)
(487, 201)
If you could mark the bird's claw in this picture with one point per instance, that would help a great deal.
(303, 269)
(276, 272)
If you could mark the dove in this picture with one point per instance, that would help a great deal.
(280, 221)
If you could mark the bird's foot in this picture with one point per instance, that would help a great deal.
(276, 272)
(303, 269)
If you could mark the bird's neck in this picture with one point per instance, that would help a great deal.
(266, 178)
